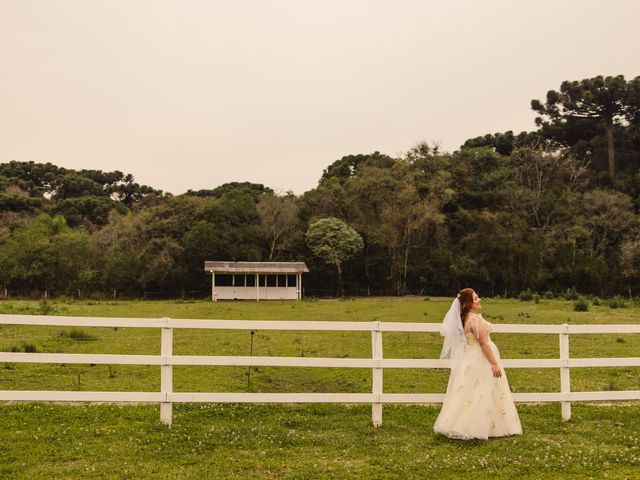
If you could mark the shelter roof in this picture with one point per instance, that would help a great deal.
(255, 267)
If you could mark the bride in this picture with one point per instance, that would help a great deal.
(478, 402)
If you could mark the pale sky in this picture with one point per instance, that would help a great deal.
(195, 93)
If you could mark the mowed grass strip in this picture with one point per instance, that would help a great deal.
(324, 441)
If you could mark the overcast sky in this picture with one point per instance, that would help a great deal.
(192, 94)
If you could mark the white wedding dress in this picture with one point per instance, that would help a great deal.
(477, 404)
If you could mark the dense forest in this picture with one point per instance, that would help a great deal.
(550, 210)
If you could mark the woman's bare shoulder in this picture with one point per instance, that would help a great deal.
(475, 321)
(472, 322)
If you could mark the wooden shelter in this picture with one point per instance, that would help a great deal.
(256, 280)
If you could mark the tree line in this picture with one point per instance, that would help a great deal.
(548, 210)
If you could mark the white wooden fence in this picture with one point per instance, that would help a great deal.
(167, 397)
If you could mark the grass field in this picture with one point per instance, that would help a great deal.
(306, 441)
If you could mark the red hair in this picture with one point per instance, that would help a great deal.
(465, 297)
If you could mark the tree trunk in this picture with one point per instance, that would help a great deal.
(366, 269)
(272, 249)
(340, 293)
(405, 268)
(393, 270)
(610, 147)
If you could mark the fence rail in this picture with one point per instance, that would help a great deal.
(377, 363)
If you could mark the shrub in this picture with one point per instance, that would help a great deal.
(46, 308)
(617, 302)
(65, 299)
(571, 294)
(581, 305)
(29, 347)
(536, 298)
(526, 295)
(596, 301)
(549, 295)
(77, 334)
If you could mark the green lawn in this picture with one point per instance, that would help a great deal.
(306, 441)
(41, 441)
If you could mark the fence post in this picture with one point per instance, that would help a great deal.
(376, 353)
(166, 373)
(565, 379)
